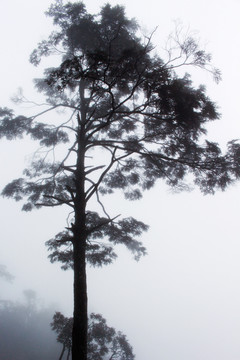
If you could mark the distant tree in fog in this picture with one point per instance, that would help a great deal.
(104, 342)
(5, 274)
(25, 333)
(128, 121)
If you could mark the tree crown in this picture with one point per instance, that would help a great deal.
(129, 119)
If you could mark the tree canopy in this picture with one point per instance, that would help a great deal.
(129, 121)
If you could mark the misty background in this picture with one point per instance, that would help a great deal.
(180, 302)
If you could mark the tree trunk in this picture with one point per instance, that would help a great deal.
(80, 315)
(63, 351)
(80, 319)
(68, 354)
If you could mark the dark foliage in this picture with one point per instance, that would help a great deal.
(103, 234)
(104, 342)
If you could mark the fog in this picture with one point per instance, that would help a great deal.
(25, 331)
(181, 301)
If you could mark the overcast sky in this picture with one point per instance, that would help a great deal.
(181, 302)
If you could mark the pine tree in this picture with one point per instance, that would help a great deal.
(129, 121)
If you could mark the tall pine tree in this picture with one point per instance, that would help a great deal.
(129, 121)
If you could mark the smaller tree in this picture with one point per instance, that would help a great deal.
(104, 342)
(63, 327)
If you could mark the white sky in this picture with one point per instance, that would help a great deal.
(182, 300)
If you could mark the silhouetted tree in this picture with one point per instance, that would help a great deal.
(103, 341)
(63, 327)
(129, 121)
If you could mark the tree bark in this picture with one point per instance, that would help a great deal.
(80, 319)
(80, 315)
